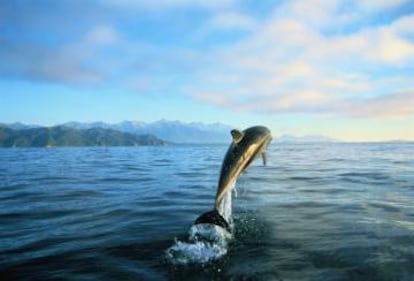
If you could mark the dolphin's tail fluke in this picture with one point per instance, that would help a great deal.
(213, 217)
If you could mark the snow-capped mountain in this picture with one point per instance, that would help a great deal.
(179, 132)
(173, 131)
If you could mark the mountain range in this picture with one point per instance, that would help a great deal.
(65, 136)
(174, 131)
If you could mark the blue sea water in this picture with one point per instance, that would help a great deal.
(335, 211)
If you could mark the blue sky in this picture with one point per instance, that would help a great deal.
(338, 68)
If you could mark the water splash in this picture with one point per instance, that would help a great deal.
(206, 242)
(225, 208)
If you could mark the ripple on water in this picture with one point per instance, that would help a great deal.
(316, 212)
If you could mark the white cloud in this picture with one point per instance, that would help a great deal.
(39, 62)
(231, 21)
(380, 4)
(392, 105)
(292, 63)
(81, 61)
(167, 4)
(320, 57)
(101, 35)
(315, 12)
(392, 48)
(404, 25)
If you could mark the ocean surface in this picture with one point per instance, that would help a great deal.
(333, 211)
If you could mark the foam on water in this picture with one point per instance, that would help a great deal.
(206, 242)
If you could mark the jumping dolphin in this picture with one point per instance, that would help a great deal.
(245, 147)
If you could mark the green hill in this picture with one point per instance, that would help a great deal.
(64, 136)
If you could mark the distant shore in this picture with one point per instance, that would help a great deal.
(61, 136)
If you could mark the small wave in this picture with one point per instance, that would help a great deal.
(206, 243)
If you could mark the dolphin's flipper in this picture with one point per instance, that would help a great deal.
(213, 217)
(264, 157)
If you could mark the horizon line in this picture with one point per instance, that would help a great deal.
(279, 136)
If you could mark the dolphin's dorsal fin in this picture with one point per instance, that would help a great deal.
(237, 135)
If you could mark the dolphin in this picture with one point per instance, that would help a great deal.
(246, 146)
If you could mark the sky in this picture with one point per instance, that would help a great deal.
(342, 69)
